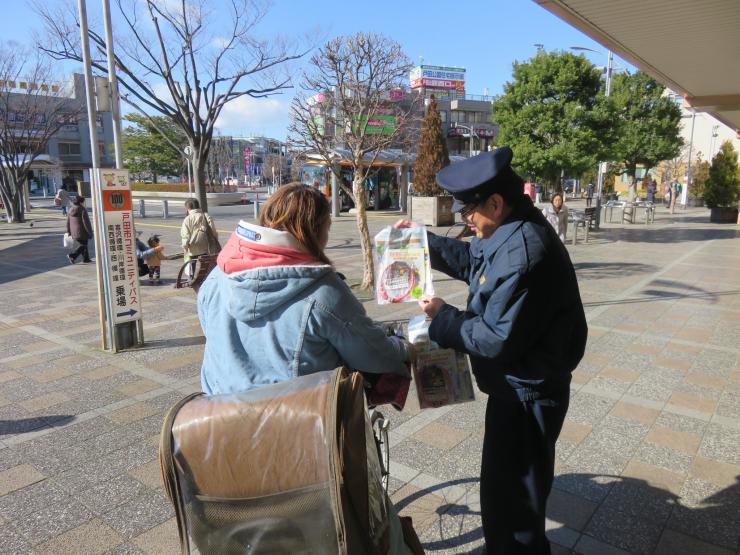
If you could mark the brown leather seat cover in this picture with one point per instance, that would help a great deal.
(236, 449)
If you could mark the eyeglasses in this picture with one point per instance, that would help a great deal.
(466, 210)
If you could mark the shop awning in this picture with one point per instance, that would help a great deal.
(691, 46)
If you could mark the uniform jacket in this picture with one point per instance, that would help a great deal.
(558, 220)
(270, 312)
(524, 326)
(78, 224)
(193, 232)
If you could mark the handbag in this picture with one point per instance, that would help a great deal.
(214, 247)
(68, 242)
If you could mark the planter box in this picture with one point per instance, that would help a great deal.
(434, 211)
(723, 215)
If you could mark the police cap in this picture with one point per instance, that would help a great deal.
(478, 177)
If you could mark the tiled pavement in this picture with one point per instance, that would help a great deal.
(648, 461)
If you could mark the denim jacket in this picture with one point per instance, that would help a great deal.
(270, 324)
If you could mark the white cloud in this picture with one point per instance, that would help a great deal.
(253, 115)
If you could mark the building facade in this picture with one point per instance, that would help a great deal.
(67, 157)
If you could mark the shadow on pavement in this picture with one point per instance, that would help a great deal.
(672, 234)
(170, 343)
(634, 513)
(43, 253)
(638, 513)
(677, 291)
(25, 425)
(608, 270)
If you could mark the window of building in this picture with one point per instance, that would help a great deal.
(455, 116)
(69, 149)
(443, 116)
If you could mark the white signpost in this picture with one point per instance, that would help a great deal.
(120, 239)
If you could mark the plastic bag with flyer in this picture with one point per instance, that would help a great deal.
(403, 269)
(442, 376)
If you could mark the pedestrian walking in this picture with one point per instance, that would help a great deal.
(538, 193)
(154, 260)
(652, 188)
(63, 199)
(672, 196)
(525, 331)
(557, 214)
(198, 232)
(80, 228)
(589, 194)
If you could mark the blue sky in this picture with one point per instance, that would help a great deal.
(483, 36)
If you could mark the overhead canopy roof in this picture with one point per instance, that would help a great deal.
(691, 46)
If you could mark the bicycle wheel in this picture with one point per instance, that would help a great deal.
(380, 425)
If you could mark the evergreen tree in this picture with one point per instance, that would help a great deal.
(431, 154)
(648, 124)
(554, 117)
(699, 177)
(146, 151)
(723, 186)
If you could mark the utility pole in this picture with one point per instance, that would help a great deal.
(602, 165)
(126, 333)
(101, 255)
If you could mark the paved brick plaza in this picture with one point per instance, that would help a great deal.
(648, 461)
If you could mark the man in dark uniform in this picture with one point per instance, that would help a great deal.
(525, 331)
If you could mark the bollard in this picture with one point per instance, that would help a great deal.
(165, 210)
(142, 209)
(256, 208)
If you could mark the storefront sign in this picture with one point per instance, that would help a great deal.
(463, 131)
(431, 76)
(120, 239)
(379, 124)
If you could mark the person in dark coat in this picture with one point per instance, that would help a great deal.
(80, 228)
(525, 331)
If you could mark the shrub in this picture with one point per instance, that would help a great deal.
(723, 186)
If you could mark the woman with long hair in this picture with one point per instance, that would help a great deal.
(274, 308)
(557, 214)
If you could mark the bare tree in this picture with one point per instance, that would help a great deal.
(220, 161)
(673, 167)
(176, 58)
(353, 98)
(275, 168)
(34, 105)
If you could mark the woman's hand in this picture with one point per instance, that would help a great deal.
(402, 224)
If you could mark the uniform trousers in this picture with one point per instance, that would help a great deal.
(517, 472)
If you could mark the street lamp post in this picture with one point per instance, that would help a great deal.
(685, 192)
(472, 134)
(607, 92)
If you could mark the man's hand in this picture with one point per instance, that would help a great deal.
(401, 224)
(431, 305)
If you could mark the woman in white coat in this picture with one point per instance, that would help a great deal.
(557, 214)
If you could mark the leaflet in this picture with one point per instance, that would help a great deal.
(442, 376)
